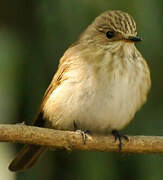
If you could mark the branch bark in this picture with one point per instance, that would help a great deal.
(24, 134)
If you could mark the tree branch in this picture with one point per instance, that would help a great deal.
(73, 141)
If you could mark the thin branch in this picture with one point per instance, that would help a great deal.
(73, 141)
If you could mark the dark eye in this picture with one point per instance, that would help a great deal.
(110, 34)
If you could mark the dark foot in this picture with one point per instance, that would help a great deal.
(119, 136)
(75, 126)
(83, 133)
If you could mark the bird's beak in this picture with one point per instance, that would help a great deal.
(134, 38)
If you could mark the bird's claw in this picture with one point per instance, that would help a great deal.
(83, 133)
(119, 136)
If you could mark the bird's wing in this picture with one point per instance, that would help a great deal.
(56, 81)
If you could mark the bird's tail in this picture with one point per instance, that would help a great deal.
(26, 157)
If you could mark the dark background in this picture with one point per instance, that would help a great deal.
(33, 36)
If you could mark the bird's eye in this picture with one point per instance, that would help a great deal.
(110, 34)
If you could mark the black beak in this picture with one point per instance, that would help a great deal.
(135, 38)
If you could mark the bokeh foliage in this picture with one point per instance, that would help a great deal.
(33, 36)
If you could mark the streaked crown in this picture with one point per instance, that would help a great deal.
(116, 20)
(110, 27)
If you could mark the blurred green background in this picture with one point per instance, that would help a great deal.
(33, 36)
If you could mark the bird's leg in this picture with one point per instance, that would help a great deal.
(119, 136)
(83, 133)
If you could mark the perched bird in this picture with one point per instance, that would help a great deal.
(101, 82)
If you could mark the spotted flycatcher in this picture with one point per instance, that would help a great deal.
(101, 82)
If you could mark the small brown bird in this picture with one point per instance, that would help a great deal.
(101, 82)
